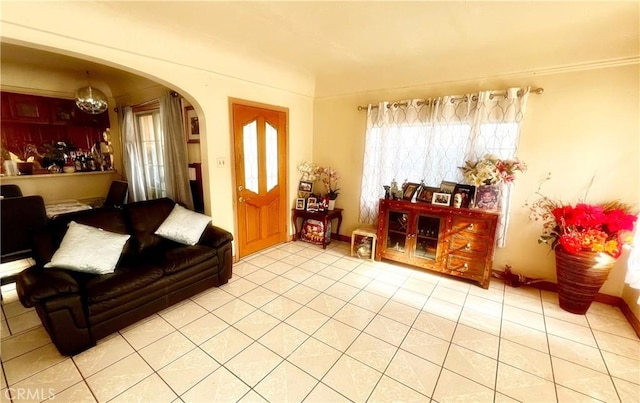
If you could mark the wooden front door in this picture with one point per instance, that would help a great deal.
(260, 136)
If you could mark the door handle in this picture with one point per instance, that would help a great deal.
(242, 199)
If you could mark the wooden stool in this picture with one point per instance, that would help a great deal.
(364, 232)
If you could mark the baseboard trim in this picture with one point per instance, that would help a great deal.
(602, 298)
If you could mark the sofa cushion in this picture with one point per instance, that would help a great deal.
(183, 257)
(144, 218)
(183, 226)
(88, 249)
(124, 280)
(108, 218)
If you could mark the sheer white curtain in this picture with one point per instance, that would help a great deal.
(132, 156)
(176, 164)
(428, 139)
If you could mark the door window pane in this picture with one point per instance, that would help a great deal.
(250, 143)
(272, 157)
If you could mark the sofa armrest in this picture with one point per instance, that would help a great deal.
(36, 284)
(215, 236)
(220, 239)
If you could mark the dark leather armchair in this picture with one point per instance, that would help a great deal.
(10, 191)
(22, 219)
(117, 195)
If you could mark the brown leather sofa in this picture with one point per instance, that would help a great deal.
(77, 309)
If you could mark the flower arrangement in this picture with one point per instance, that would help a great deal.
(26, 153)
(329, 179)
(308, 170)
(583, 226)
(311, 172)
(491, 170)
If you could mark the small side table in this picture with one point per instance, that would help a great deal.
(367, 232)
(324, 216)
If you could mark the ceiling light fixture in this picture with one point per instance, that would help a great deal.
(91, 100)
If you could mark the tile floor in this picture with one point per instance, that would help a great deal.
(297, 323)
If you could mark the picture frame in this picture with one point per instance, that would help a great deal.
(487, 197)
(191, 125)
(312, 204)
(425, 194)
(409, 190)
(305, 186)
(300, 203)
(441, 199)
(467, 194)
(447, 187)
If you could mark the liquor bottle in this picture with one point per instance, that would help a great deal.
(77, 161)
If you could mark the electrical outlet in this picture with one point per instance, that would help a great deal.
(221, 162)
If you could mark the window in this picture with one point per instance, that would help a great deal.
(435, 153)
(430, 139)
(149, 129)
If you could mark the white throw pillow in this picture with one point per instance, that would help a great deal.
(183, 226)
(88, 249)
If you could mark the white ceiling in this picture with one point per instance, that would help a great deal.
(412, 39)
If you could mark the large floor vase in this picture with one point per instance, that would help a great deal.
(580, 277)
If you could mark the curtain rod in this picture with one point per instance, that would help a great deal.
(536, 91)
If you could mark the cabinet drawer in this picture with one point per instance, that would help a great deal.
(473, 245)
(472, 225)
(466, 265)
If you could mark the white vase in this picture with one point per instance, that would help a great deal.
(332, 204)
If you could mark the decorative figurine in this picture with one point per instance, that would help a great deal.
(387, 195)
(394, 189)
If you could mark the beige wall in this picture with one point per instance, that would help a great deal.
(206, 76)
(59, 187)
(584, 127)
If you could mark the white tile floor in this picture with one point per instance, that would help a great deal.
(297, 323)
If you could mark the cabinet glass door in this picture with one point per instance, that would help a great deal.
(397, 231)
(427, 232)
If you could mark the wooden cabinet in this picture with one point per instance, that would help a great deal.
(28, 108)
(23, 108)
(63, 111)
(30, 119)
(455, 241)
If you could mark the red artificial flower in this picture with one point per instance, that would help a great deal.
(617, 220)
(571, 242)
(584, 227)
(588, 216)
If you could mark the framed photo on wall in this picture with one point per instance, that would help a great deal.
(191, 125)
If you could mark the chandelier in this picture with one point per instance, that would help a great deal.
(91, 100)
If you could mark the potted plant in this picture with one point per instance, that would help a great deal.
(54, 154)
(312, 172)
(329, 178)
(587, 239)
(488, 173)
(26, 155)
